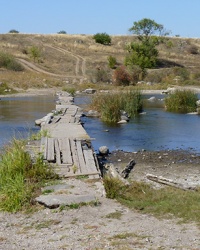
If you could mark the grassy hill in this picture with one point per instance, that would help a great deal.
(75, 59)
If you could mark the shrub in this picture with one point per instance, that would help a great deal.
(62, 32)
(8, 61)
(14, 31)
(112, 62)
(121, 76)
(182, 101)
(102, 75)
(192, 49)
(102, 38)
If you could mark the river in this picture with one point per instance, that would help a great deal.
(155, 130)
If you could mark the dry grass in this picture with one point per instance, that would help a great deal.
(81, 49)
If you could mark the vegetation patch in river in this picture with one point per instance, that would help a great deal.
(181, 101)
(110, 105)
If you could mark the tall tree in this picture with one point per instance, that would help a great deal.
(144, 53)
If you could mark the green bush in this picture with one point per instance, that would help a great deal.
(102, 38)
(112, 62)
(9, 62)
(181, 101)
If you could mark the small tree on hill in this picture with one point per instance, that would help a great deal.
(62, 32)
(35, 53)
(102, 38)
(144, 53)
(14, 31)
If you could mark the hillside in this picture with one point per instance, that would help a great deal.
(66, 59)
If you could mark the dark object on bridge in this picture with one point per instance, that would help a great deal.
(126, 171)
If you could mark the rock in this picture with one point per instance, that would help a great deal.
(89, 91)
(56, 200)
(198, 103)
(152, 99)
(92, 113)
(104, 150)
(124, 117)
(122, 122)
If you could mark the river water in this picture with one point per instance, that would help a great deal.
(155, 130)
(18, 115)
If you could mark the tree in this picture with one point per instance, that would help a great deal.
(35, 53)
(13, 31)
(102, 38)
(144, 53)
(62, 32)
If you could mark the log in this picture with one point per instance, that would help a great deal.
(113, 173)
(169, 182)
(126, 171)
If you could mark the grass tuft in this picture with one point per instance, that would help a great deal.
(181, 101)
(20, 178)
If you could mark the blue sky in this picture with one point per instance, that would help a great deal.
(114, 17)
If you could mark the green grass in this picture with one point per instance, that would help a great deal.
(181, 101)
(164, 202)
(20, 178)
(110, 104)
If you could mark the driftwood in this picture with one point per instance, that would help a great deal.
(111, 171)
(169, 182)
(126, 171)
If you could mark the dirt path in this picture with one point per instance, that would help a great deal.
(80, 61)
(106, 226)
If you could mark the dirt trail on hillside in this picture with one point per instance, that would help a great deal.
(80, 61)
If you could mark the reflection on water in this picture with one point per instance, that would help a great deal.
(18, 115)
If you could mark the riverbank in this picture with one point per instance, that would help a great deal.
(108, 224)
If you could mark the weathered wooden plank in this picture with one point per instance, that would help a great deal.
(57, 151)
(90, 161)
(81, 159)
(169, 182)
(65, 149)
(50, 149)
(43, 147)
(76, 166)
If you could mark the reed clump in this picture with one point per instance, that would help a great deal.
(110, 105)
(20, 178)
(181, 101)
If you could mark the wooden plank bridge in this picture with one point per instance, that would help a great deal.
(67, 146)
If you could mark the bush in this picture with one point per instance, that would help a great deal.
(112, 62)
(8, 61)
(102, 75)
(62, 32)
(13, 31)
(181, 101)
(121, 76)
(192, 49)
(102, 38)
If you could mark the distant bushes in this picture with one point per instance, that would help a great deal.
(182, 101)
(9, 62)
